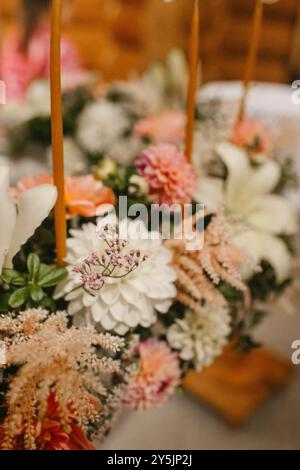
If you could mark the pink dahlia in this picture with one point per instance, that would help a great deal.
(169, 176)
(157, 377)
(253, 136)
(165, 128)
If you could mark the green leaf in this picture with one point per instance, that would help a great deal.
(8, 275)
(4, 306)
(20, 281)
(44, 270)
(36, 293)
(48, 304)
(53, 278)
(33, 265)
(19, 297)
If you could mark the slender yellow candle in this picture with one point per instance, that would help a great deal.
(57, 132)
(252, 55)
(193, 81)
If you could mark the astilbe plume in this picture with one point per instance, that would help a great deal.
(199, 273)
(54, 363)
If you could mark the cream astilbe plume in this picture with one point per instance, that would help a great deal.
(54, 359)
(200, 272)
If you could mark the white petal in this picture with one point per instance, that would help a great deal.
(261, 246)
(162, 306)
(264, 179)
(274, 214)
(108, 322)
(98, 311)
(119, 310)
(8, 215)
(88, 299)
(132, 318)
(238, 166)
(121, 329)
(34, 206)
(210, 193)
(128, 292)
(74, 294)
(110, 293)
(74, 307)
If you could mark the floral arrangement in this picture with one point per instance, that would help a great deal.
(128, 316)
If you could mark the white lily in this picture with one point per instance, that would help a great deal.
(19, 219)
(260, 216)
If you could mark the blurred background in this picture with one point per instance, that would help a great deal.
(118, 37)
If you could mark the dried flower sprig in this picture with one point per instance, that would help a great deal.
(54, 360)
(113, 263)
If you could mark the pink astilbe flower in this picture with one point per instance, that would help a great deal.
(84, 195)
(169, 176)
(199, 273)
(253, 136)
(157, 377)
(53, 360)
(165, 128)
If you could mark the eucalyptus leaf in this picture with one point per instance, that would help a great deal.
(19, 281)
(8, 275)
(53, 278)
(33, 265)
(48, 304)
(44, 270)
(19, 297)
(36, 293)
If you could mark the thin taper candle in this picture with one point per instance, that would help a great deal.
(252, 56)
(193, 81)
(57, 132)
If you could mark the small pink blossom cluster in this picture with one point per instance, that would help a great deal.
(157, 377)
(113, 263)
(169, 176)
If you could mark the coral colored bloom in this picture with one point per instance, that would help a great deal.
(164, 128)
(83, 194)
(253, 136)
(51, 434)
(169, 176)
(157, 377)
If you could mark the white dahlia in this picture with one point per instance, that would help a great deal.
(122, 303)
(200, 337)
(100, 125)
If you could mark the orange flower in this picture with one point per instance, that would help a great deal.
(253, 136)
(51, 434)
(84, 195)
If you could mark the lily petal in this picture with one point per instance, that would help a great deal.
(273, 214)
(34, 206)
(8, 214)
(210, 193)
(238, 166)
(264, 179)
(261, 246)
